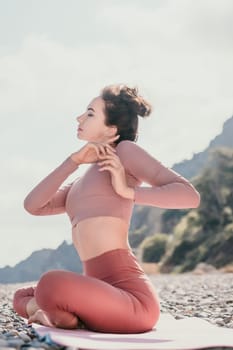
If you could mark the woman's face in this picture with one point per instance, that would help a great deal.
(91, 124)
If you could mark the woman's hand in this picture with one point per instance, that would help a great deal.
(91, 152)
(113, 164)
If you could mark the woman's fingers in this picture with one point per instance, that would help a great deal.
(96, 148)
(101, 152)
(100, 149)
(103, 149)
(113, 138)
(110, 161)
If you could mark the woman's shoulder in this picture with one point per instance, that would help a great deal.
(135, 157)
(130, 153)
(127, 145)
(130, 149)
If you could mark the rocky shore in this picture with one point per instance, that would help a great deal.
(208, 296)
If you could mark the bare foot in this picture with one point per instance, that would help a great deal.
(40, 317)
(32, 307)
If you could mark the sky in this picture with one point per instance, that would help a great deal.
(56, 56)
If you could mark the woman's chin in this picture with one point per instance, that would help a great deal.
(81, 138)
(87, 139)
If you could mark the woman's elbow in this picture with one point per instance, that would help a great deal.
(196, 199)
(29, 208)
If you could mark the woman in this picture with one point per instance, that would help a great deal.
(113, 294)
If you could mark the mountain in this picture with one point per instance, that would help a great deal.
(161, 220)
(205, 234)
(30, 269)
(191, 168)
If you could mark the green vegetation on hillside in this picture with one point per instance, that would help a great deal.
(154, 247)
(204, 234)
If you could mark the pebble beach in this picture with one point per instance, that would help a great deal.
(208, 296)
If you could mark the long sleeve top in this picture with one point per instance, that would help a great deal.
(92, 194)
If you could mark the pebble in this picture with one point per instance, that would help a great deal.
(208, 296)
(3, 343)
(24, 337)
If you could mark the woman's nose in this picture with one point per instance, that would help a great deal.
(78, 118)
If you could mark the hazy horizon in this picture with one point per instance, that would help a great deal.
(55, 56)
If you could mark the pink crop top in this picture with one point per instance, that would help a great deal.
(93, 195)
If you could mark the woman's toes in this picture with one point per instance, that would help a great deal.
(40, 317)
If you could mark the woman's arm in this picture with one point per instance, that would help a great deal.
(47, 198)
(168, 188)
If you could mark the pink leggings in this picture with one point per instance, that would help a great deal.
(114, 295)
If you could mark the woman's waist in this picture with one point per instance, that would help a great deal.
(105, 224)
(95, 236)
(114, 265)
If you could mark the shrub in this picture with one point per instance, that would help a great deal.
(154, 247)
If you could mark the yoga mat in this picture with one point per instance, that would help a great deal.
(170, 334)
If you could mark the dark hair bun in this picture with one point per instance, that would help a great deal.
(131, 97)
(123, 105)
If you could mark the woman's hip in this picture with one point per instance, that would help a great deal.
(121, 269)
